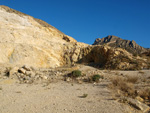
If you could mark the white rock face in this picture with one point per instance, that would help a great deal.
(23, 40)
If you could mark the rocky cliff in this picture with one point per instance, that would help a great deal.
(105, 57)
(114, 41)
(25, 40)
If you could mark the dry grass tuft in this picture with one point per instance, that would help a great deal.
(132, 79)
(141, 72)
(125, 86)
(145, 93)
(117, 81)
(131, 86)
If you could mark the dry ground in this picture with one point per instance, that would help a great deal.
(62, 96)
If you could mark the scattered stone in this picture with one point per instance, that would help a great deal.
(4, 77)
(67, 79)
(27, 68)
(28, 73)
(139, 99)
(32, 75)
(65, 109)
(13, 71)
(22, 70)
(138, 105)
(80, 81)
(45, 77)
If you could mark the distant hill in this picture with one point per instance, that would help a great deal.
(114, 41)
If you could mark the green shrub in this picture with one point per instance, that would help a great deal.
(84, 95)
(96, 78)
(76, 73)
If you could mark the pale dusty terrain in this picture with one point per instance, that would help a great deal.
(60, 97)
(63, 97)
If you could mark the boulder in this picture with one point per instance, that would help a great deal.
(22, 70)
(13, 71)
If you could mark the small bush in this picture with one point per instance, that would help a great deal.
(76, 73)
(116, 81)
(126, 87)
(123, 85)
(96, 78)
(83, 96)
(132, 79)
(135, 54)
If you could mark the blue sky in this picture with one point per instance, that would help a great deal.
(86, 20)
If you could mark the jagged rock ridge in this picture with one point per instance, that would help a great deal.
(114, 41)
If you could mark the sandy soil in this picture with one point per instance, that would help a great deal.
(60, 97)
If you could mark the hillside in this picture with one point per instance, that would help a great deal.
(28, 41)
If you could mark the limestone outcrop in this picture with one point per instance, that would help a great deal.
(107, 57)
(26, 40)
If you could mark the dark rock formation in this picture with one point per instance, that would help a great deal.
(114, 41)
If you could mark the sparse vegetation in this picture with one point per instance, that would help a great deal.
(76, 73)
(141, 72)
(145, 93)
(128, 87)
(0, 88)
(135, 54)
(18, 91)
(132, 79)
(122, 84)
(84, 96)
(96, 77)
